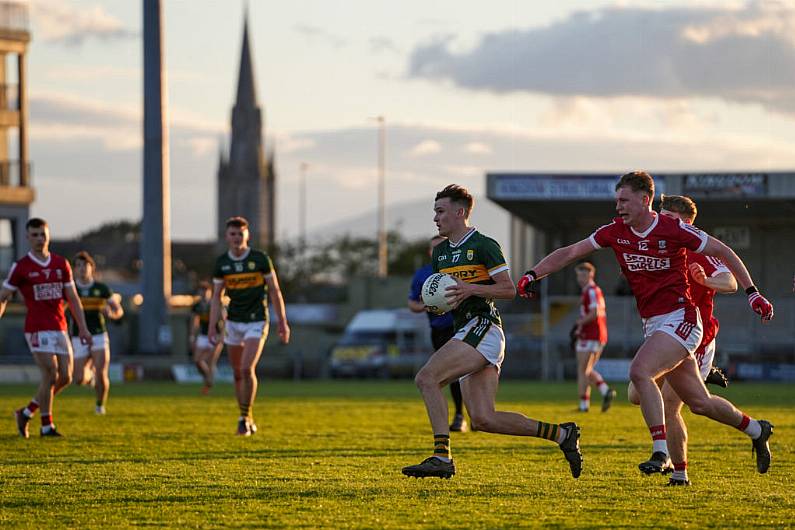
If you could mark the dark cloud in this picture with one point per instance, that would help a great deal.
(745, 55)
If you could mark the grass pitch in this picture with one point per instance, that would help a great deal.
(328, 454)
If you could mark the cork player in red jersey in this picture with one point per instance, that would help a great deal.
(44, 280)
(651, 250)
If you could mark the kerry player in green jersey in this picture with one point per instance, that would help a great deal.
(248, 278)
(98, 302)
(474, 355)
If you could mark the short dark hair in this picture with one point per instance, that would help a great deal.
(85, 256)
(585, 266)
(637, 181)
(459, 195)
(680, 204)
(237, 222)
(36, 222)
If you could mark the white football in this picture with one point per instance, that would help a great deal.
(433, 292)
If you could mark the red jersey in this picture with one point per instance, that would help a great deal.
(704, 297)
(593, 299)
(41, 285)
(654, 262)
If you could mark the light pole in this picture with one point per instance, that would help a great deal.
(382, 244)
(302, 207)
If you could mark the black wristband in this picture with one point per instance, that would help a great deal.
(532, 273)
(751, 290)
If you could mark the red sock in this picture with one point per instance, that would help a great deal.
(744, 423)
(657, 432)
(46, 420)
(680, 466)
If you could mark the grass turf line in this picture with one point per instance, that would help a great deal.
(328, 454)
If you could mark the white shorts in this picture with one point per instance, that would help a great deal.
(100, 342)
(705, 359)
(688, 334)
(55, 342)
(237, 332)
(589, 346)
(486, 337)
(203, 342)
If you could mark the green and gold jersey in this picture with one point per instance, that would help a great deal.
(202, 310)
(244, 280)
(474, 259)
(93, 296)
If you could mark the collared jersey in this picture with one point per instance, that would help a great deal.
(704, 297)
(94, 297)
(41, 284)
(474, 259)
(592, 298)
(654, 262)
(244, 280)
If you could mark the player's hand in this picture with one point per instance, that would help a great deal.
(284, 332)
(86, 339)
(528, 285)
(698, 274)
(761, 306)
(459, 292)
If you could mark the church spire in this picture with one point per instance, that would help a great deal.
(246, 90)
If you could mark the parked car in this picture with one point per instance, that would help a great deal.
(382, 343)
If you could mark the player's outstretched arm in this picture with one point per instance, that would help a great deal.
(215, 310)
(275, 292)
(759, 303)
(553, 262)
(76, 307)
(113, 308)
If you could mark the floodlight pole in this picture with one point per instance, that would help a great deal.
(154, 332)
(382, 241)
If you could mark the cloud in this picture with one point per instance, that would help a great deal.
(477, 148)
(383, 44)
(741, 54)
(425, 148)
(317, 33)
(60, 21)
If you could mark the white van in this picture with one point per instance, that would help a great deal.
(382, 343)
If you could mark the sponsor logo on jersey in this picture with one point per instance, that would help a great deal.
(470, 254)
(48, 291)
(251, 265)
(33, 274)
(622, 241)
(637, 262)
(661, 244)
(225, 267)
(468, 273)
(442, 257)
(59, 273)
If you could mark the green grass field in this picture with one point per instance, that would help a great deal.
(328, 454)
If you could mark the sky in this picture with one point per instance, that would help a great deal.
(466, 87)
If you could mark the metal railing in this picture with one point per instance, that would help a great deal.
(14, 16)
(10, 173)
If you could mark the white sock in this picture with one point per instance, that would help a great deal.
(754, 430)
(679, 475)
(443, 458)
(562, 433)
(603, 388)
(659, 445)
(585, 404)
(28, 414)
(46, 428)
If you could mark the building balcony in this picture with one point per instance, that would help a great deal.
(14, 186)
(14, 21)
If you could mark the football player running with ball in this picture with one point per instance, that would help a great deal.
(474, 355)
